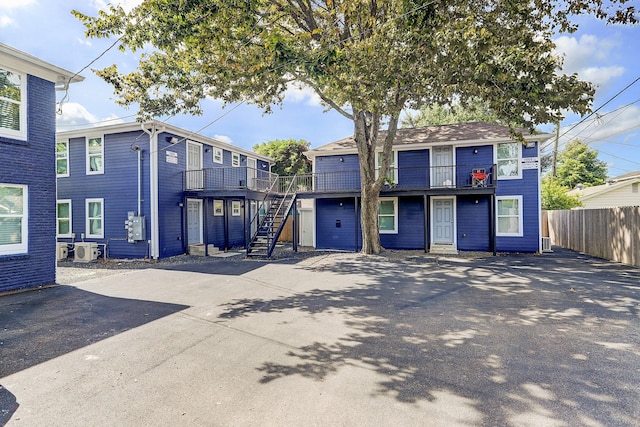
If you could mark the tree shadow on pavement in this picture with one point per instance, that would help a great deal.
(40, 325)
(529, 340)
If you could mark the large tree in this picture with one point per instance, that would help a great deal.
(287, 154)
(579, 164)
(475, 110)
(367, 59)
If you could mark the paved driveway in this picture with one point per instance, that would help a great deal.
(331, 340)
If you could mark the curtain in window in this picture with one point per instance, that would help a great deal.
(11, 215)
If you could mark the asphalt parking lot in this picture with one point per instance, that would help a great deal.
(329, 340)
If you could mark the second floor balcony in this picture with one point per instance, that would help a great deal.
(458, 177)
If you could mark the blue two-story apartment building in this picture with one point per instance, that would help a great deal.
(468, 187)
(153, 190)
(450, 188)
(27, 178)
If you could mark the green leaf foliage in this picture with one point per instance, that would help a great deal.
(288, 155)
(579, 164)
(555, 197)
(368, 60)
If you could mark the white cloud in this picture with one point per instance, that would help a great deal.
(6, 21)
(9, 6)
(126, 4)
(590, 57)
(85, 42)
(299, 93)
(75, 115)
(15, 4)
(605, 126)
(600, 76)
(223, 138)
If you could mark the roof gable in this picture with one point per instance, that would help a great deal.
(451, 133)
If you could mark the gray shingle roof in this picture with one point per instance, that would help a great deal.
(434, 134)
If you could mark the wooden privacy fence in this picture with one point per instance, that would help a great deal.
(612, 233)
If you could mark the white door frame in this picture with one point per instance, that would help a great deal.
(307, 213)
(252, 172)
(454, 230)
(193, 180)
(432, 176)
(200, 219)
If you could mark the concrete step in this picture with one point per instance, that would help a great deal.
(198, 250)
(443, 249)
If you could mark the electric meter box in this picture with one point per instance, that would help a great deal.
(136, 228)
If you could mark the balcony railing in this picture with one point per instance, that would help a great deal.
(416, 178)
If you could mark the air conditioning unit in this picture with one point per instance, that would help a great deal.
(546, 244)
(62, 251)
(85, 252)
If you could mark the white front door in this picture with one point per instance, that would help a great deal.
(442, 167)
(252, 169)
(194, 166)
(443, 221)
(306, 227)
(194, 221)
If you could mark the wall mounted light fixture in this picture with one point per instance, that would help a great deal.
(341, 159)
(475, 151)
(172, 139)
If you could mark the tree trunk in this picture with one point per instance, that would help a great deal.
(366, 137)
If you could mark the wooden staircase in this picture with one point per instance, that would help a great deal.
(264, 240)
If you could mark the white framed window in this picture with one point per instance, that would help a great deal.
(508, 159)
(62, 158)
(14, 217)
(13, 104)
(217, 155)
(235, 159)
(95, 218)
(393, 161)
(218, 208)
(235, 208)
(95, 155)
(63, 218)
(509, 216)
(388, 215)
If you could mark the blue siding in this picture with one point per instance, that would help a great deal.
(467, 160)
(329, 213)
(32, 163)
(410, 225)
(528, 188)
(170, 213)
(118, 187)
(331, 173)
(473, 223)
(413, 168)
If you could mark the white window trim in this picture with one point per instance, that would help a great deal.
(87, 158)
(235, 208)
(62, 175)
(220, 203)
(393, 165)
(518, 161)
(219, 152)
(22, 133)
(395, 215)
(69, 234)
(87, 219)
(520, 217)
(22, 247)
(235, 156)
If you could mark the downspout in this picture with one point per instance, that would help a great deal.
(139, 212)
(153, 190)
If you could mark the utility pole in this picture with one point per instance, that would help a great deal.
(555, 151)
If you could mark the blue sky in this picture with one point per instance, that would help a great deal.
(608, 56)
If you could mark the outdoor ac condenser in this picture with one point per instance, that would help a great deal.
(546, 244)
(62, 251)
(85, 252)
